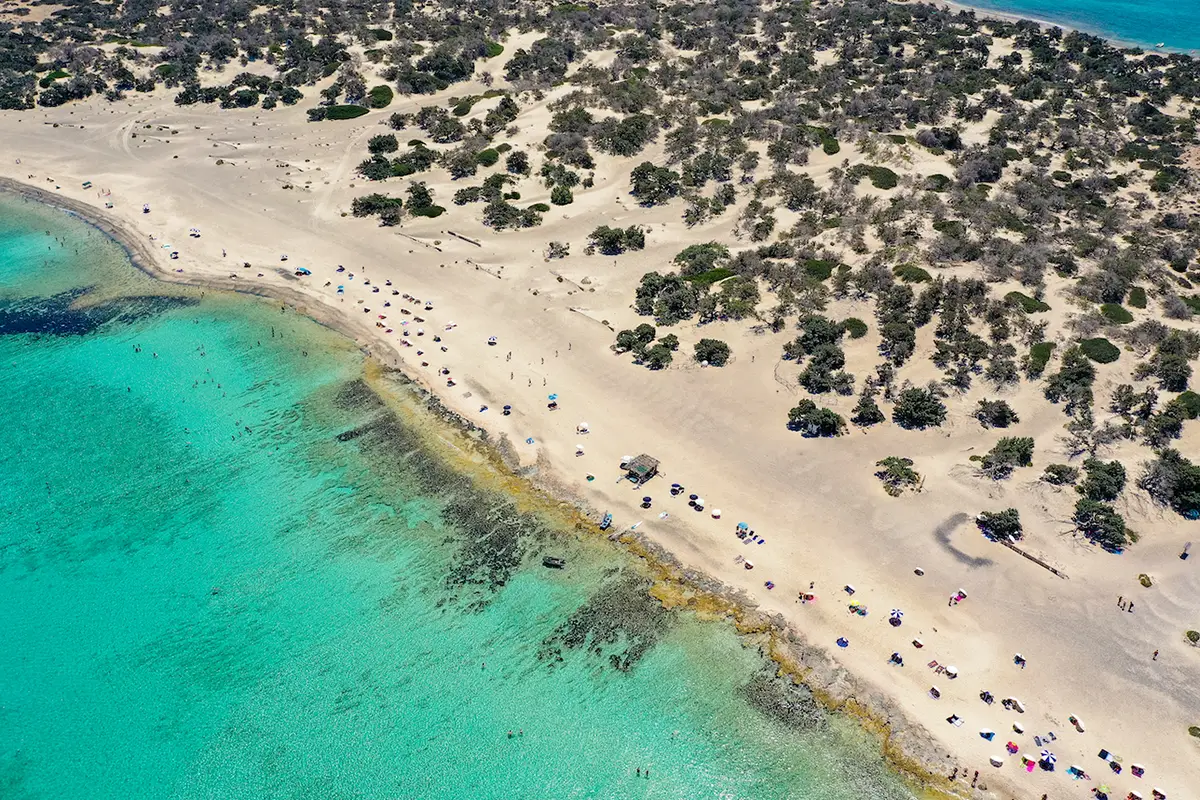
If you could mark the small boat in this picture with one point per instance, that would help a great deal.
(606, 523)
(554, 562)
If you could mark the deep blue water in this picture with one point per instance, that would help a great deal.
(1176, 23)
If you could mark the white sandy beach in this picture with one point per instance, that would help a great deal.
(284, 187)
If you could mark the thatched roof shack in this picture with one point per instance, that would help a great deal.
(641, 469)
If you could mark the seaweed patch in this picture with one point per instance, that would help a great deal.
(621, 619)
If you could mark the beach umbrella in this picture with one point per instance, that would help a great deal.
(952, 672)
(996, 761)
(897, 612)
(716, 513)
(699, 502)
(1134, 795)
(741, 526)
(552, 396)
(1018, 727)
(917, 643)
(583, 427)
(492, 340)
(578, 448)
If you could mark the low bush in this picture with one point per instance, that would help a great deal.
(345, 112)
(492, 49)
(1060, 475)
(897, 474)
(1039, 357)
(1004, 524)
(911, 273)
(428, 211)
(1137, 297)
(380, 96)
(810, 420)
(488, 157)
(709, 277)
(1100, 350)
(1116, 314)
(1029, 304)
(855, 327)
(819, 268)
(937, 183)
(1189, 402)
(883, 178)
(714, 351)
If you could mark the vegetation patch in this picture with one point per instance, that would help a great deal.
(1100, 350)
(897, 474)
(855, 327)
(711, 276)
(937, 183)
(1030, 305)
(1116, 313)
(380, 96)
(345, 112)
(1137, 297)
(492, 49)
(819, 268)
(911, 273)
(1039, 357)
(812, 421)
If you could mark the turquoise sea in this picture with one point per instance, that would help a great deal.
(229, 570)
(1175, 23)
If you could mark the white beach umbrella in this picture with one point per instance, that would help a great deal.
(952, 672)
(997, 761)
(699, 502)
(716, 513)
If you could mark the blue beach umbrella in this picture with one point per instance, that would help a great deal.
(741, 526)
(552, 396)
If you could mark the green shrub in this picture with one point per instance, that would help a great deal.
(813, 421)
(1039, 357)
(1115, 313)
(1100, 350)
(381, 35)
(463, 107)
(1195, 729)
(951, 227)
(819, 268)
(345, 112)
(897, 474)
(380, 96)
(714, 351)
(1137, 297)
(1193, 302)
(428, 211)
(709, 277)
(1189, 401)
(561, 196)
(911, 273)
(1030, 305)
(937, 183)
(1060, 475)
(1004, 524)
(541, 208)
(487, 157)
(492, 49)
(855, 327)
(882, 177)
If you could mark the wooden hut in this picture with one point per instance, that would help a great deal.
(641, 469)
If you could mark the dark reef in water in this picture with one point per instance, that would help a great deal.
(621, 614)
(58, 315)
(491, 538)
(791, 704)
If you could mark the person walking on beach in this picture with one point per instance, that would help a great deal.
(1155, 658)
(1119, 599)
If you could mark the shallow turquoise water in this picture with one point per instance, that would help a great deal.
(1176, 23)
(228, 571)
